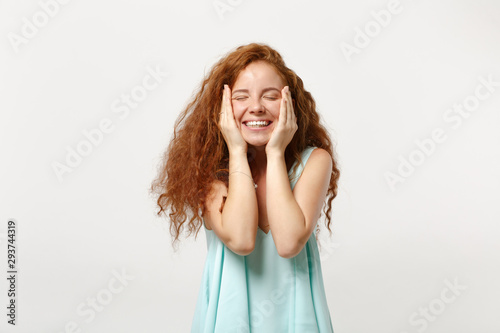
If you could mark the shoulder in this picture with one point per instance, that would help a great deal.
(318, 167)
(213, 202)
(322, 153)
(218, 184)
(320, 157)
(217, 190)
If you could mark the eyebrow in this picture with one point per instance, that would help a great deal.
(263, 90)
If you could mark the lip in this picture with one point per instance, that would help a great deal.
(257, 128)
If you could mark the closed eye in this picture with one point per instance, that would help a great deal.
(240, 98)
(271, 98)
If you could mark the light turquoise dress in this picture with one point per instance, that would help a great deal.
(262, 292)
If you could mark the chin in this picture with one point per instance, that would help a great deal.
(257, 147)
(256, 144)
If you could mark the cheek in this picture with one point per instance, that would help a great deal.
(274, 107)
(238, 114)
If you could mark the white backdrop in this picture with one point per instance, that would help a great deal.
(410, 91)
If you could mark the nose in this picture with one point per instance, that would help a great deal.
(256, 106)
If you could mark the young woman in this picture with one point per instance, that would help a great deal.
(251, 162)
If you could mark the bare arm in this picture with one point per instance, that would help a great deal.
(236, 226)
(293, 215)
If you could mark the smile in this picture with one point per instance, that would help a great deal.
(257, 124)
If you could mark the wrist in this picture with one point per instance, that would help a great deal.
(274, 153)
(237, 152)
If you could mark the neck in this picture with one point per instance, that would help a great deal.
(258, 160)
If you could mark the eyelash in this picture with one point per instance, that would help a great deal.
(268, 97)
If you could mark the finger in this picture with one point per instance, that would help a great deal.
(229, 105)
(228, 109)
(289, 106)
(227, 102)
(223, 105)
(283, 107)
(292, 118)
(292, 110)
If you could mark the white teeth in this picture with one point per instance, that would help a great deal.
(259, 123)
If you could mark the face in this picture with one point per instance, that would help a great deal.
(256, 98)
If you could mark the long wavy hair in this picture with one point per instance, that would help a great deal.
(197, 154)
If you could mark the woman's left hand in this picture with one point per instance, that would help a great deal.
(287, 125)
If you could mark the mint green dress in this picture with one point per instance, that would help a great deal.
(262, 292)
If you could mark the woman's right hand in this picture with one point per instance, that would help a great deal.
(227, 124)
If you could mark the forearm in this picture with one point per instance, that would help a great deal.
(240, 213)
(285, 217)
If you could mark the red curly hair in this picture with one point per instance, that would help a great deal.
(198, 155)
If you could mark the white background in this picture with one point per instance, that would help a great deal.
(392, 250)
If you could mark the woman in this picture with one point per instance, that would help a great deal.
(250, 159)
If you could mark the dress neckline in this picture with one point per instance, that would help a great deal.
(265, 233)
(258, 228)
